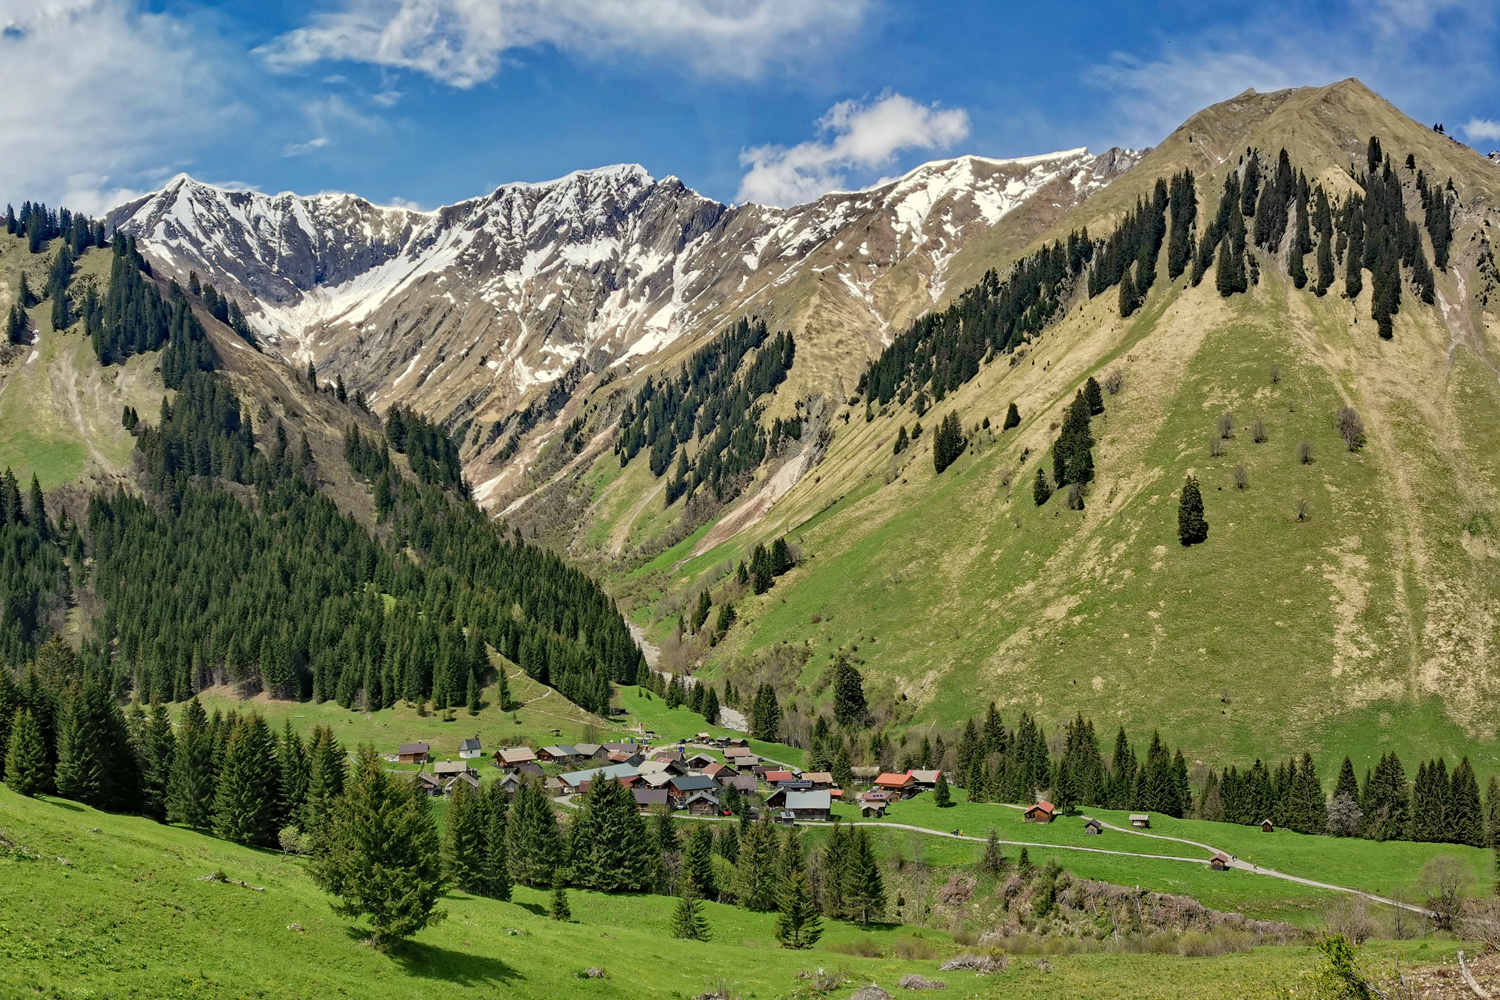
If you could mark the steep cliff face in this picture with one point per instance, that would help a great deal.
(470, 311)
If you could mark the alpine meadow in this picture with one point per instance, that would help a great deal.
(1071, 574)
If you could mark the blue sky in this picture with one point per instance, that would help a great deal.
(431, 101)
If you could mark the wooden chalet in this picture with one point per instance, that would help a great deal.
(684, 786)
(1042, 812)
(560, 753)
(779, 777)
(702, 804)
(1093, 827)
(413, 753)
(451, 768)
(873, 804)
(1219, 862)
(746, 783)
(904, 785)
(818, 780)
(1266, 826)
(1141, 821)
(515, 756)
(647, 799)
(427, 784)
(468, 777)
(719, 771)
(699, 761)
(926, 780)
(595, 750)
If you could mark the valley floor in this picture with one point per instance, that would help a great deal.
(103, 906)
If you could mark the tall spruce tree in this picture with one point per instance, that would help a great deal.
(247, 800)
(533, 842)
(156, 747)
(755, 871)
(80, 757)
(325, 781)
(381, 857)
(849, 707)
(190, 787)
(26, 767)
(610, 845)
(765, 715)
(798, 924)
(688, 921)
(496, 866)
(1012, 418)
(464, 849)
(863, 887)
(1465, 817)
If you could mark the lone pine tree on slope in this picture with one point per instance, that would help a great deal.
(1191, 526)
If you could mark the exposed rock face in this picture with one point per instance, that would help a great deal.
(468, 311)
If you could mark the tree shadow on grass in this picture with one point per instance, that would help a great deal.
(536, 908)
(434, 962)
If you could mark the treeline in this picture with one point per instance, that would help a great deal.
(710, 401)
(1437, 807)
(995, 316)
(229, 774)
(39, 225)
(33, 567)
(133, 318)
(432, 453)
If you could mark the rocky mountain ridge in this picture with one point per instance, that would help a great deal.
(468, 311)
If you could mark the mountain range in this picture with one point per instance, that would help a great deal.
(1345, 603)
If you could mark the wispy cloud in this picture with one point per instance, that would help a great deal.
(101, 93)
(325, 114)
(860, 136)
(461, 42)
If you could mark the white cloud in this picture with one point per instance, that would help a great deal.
(1483, 130)
(862, 136)
(97, 94)
(461, 42)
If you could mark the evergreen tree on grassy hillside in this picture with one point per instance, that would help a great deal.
(325, 780)
(1192, 528)
(755, 871)
(941, 796)
(688, 921)
(381, 857)
(1041, 489)
(1386, 801)
(248, 797)
(1072, 452)
(557, 903)
(496, 866)
(765, 715)
(1094, 396)
(190, 788)
(533, 841)
(948, 442)
(464, 851)
(798, 924)
(1465, 813)
(1012, 418)
(863, 887)
(26, 769)
(610, 846)
(156, 747)
(849, 707)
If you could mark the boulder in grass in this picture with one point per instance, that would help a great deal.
(912, 981)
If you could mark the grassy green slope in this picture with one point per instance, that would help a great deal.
(1364, 628)
(129, 915)
(60, 412)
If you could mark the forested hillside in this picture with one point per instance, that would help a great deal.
(232, 562)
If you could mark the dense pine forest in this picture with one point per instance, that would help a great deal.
(200, 581)
(712, 402)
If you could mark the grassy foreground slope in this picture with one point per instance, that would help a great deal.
(1365, 626)
(126, 913)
